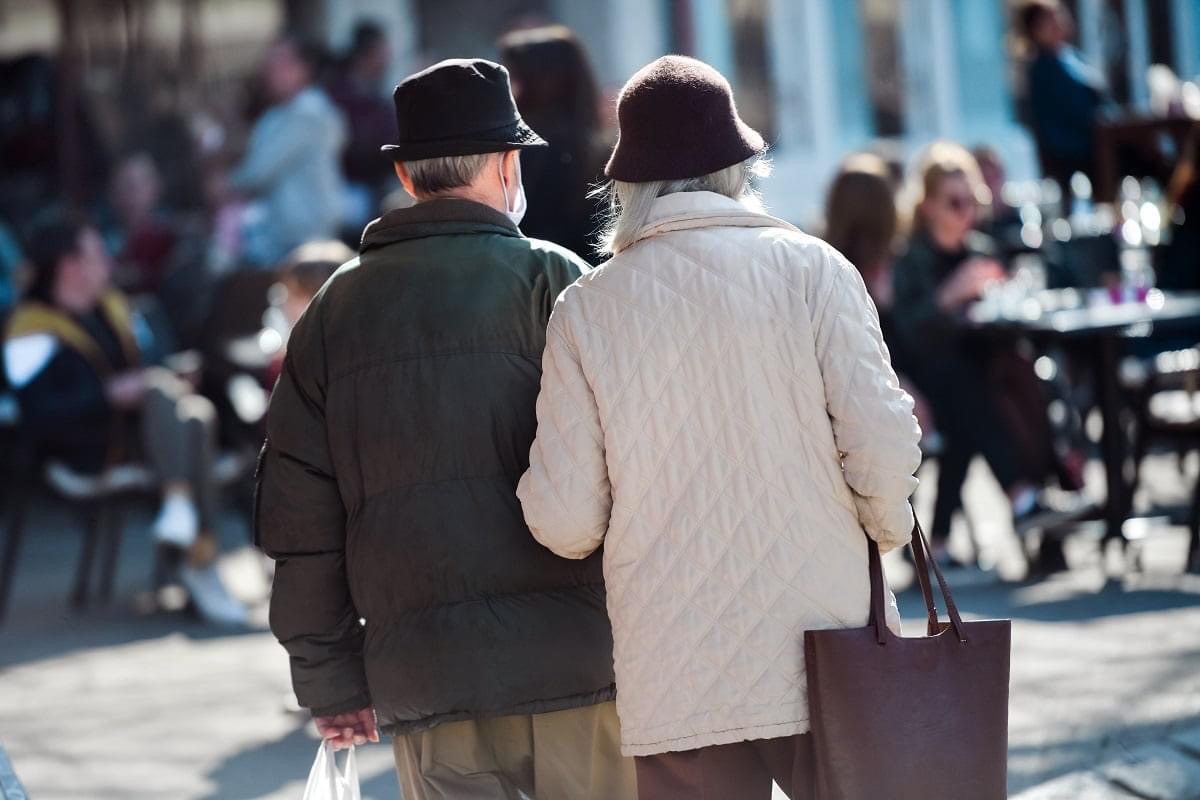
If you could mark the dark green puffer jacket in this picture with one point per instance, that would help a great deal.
(387, 487)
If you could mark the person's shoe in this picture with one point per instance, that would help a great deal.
(1042, 515)
(948, 562)
(1069, 470)
(1050, 558)
(210, 596)
(177, 523)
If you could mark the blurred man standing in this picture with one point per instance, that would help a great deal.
(291, 166)
(409, 591)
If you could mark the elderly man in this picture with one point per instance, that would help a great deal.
(408, 590)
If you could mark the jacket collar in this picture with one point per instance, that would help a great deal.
(442, 217)
(686, 210)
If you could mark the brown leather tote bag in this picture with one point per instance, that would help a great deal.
(895, 718)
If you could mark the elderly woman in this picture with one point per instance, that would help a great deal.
(718, 410)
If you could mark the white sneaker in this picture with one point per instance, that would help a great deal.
(177, 523)
(210, 596)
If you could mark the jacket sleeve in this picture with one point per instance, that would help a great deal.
(300, 522)
(565, 492)
(873, 423)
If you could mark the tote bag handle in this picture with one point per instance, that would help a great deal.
(923, 560)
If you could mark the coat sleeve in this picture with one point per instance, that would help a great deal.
(873, 424)
(300, 522)
(565, 492)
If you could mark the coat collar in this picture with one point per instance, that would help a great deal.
(687, 210)
(442, 217)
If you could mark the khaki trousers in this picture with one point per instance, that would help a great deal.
(740, 771)
(562, 755)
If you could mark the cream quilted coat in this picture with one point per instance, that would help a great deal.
(718, 410)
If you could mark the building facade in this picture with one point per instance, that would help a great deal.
(822, 78)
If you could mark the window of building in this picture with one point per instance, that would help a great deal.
(748, 20)
(884, 72)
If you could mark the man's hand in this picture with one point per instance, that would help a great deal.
(126, 390)
(351, 728)
(967, 283)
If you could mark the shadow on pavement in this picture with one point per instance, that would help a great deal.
(1057, 600)
(266, 769)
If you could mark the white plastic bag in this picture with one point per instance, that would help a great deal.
(326, 782)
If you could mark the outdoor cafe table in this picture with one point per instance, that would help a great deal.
(1100, 327)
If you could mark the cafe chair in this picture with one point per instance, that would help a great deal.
(1168, 414)
(99, 501)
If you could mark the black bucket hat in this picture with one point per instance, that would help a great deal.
(458, 107)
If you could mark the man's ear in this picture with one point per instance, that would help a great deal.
(405, 179)
(511, 164)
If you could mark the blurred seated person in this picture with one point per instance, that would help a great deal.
(358, 91)
(1181, 261)
(1066, 95)
(138, 233)
(1002, 222)
(291, 169)
(75, 357)
(861, 222)
(11, 268)
(250, 364)
(301, 276)
(985, 397)
(557, 93)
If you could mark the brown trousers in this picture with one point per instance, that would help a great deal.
(561, 755)
(739, 771)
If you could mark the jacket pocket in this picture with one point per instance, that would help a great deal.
(260, 467)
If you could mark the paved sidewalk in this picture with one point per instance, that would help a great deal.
(1168, 770)
(119, 706)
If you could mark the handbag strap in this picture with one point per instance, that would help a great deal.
(923, 560)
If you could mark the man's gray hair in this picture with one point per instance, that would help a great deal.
(630, 203)
(434, 175)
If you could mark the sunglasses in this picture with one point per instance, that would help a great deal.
(959, 203)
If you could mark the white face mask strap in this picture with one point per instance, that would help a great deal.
(504, 185)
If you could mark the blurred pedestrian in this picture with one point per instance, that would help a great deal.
(1065, 94)
(985, 398)
(1181, 261)
(862, 223)
(718, 412)
(77, 359)
(358, 91)
(1000, 221)
(138, 234)
(301, 276)
(12, 268)
(292, 163)
(408, 590)
(557, 93)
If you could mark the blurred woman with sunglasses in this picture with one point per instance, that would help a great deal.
(985, 398)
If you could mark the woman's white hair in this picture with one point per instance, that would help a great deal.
(629, 204)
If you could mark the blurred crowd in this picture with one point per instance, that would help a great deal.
(147, 323)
